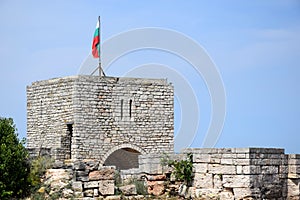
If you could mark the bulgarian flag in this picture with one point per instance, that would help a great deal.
(96, 41)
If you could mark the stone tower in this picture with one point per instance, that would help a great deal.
(110, 119)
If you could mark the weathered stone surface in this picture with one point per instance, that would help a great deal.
(58, 174)
(90, 107)
(236, 181)
(226, 161)
(203, 180)
(201, 158)
(67, 193)
(217, 181)
(269, 169)
(294, 169)
(106, 187)
(79, 165)
(82, 176)
(244, 193)
(226, 195)
(200, 167)
(183, 190)
(116, 197)
(88, 193)
(191, 193)
(207, 193)
(96, 192)
(156, 178)
(91, 184)
(156, 187)
(293, 188)
(91, 165)
(77, 186)
(58, 178)
(102, 174)
(128, 189)
(221, 169)
(245, 161)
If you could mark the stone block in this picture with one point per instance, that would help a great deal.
(91, 165)
(128, 190)
(293, 188)
(269, 169)
(265, 161)
(229, 155)
(77, 186)
(201, 158)
(115, 197)
(156, 187)
(242, 155)
(58, 177)
(236, 181)
(207, 193)
(88, 193)
(79, 165)
(221, 169)
(215, 160)
(107, 187)
(242, 150)
(200, 167)
(156, 178)
(245, 161)
(294, 169)
(246, 193)
(226, 195)
(251, 169)
(226, 161)
(217, 181)
(283, 169)
(91, 184)
(266, 150)
(102, 174)
(203, 180)
(82, 176)
(239, 169)
(96, 192)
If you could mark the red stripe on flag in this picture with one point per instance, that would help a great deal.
(95, 46)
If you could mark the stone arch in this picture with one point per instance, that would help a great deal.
(124, 156)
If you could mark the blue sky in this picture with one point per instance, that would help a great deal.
(254, 44)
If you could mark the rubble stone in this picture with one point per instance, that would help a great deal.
(128, 189)
(106, 187)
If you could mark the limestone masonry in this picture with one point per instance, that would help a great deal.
(104, 118)
(96, 128)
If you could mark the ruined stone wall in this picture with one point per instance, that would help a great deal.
(258, 173)
(236, 173)
(104, 114)
(293, 176)
(224, 174)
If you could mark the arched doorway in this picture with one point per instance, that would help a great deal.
(124, 158)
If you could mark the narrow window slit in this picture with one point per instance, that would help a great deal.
(121, 108)
(130, 105)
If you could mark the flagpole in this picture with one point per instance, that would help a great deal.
(99, 31)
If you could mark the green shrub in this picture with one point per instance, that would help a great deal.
(141, 189)
(37, 171)
(183, 169)
(14, 165)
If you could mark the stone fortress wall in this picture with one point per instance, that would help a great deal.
(234, 173)
(218, 173)
(91, 117)
(85, 122)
